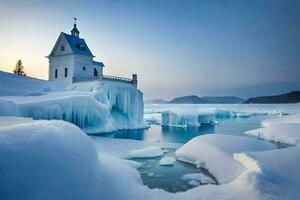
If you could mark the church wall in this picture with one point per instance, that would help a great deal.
(60, 63)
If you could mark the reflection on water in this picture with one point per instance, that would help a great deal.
(163, 133)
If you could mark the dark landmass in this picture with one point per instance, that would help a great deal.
(193, 99)
(291, 97)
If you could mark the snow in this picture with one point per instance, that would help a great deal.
(167, 161)
(147, 152)
(290, 119)
(278, 168)
(15, 85)
(56, 160)
(208, 151)
(186, 117)
(198, 177)
(8, 108)
(284, 133)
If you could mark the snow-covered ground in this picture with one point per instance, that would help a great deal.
(284, 129)
(214, 152)
(56, 160)
(93, 106)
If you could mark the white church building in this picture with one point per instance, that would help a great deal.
(72, 61)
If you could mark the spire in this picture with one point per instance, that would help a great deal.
(75, 31)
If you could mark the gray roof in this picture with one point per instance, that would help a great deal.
(78, 45)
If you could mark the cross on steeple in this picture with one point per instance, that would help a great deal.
(75, 31)
(74, 20)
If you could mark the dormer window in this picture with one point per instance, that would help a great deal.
(80, 47)
(62, 48)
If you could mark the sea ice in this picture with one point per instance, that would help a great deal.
(167, 161)
(182, 117)
(147, 152)
(203, 179)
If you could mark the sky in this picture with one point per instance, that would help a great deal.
(201, 47)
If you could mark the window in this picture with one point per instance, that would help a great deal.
(62, 48)
(95, 72)
(55, 73)
(66, 72)
(83, 68)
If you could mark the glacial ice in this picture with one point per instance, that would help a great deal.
(182, 117)
(220, 113)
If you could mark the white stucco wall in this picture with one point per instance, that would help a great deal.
(60, 63)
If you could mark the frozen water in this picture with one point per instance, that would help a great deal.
(180, 117)
(167, 161)
(148, 152)
(203, 179)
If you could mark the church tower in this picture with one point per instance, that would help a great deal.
(74, 31)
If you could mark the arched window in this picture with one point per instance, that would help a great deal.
(55, 74)
(66, 72)
(95, 72)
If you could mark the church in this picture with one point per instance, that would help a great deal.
(72, 61)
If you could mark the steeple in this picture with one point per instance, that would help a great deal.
(74, 31)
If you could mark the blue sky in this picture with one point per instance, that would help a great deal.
(243, 48)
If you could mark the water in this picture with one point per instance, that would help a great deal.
(169, 177)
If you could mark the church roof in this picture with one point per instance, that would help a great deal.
(78, 45)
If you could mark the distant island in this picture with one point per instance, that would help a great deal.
(291, 97)
(194, 99)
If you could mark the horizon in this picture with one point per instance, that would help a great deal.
(207, 48)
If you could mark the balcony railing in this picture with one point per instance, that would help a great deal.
(107, 77)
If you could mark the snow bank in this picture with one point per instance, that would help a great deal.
(14, 85)
(215, 153)
(38, 162)
(182, 117)
(290, 119)
(8, 108)
(56, 160)
(284, 133)
(148, 152)
(167, 161)
(278, 168)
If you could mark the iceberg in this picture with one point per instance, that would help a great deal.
(220, 113)
(182, 117)
(290, 119)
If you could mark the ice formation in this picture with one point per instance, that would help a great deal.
(203, 179)
(220, 113)
(208, 151)
(147, 152)
(167, 161)
(181, 117)
(94, 106)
